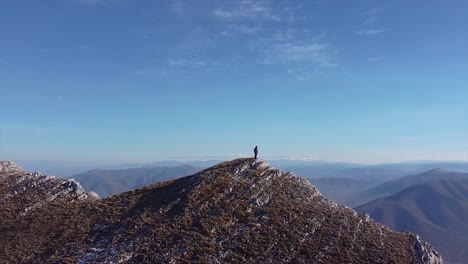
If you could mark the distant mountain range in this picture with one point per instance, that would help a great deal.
(393, 186)
(65, 169)
(379, 172)
(437, 210)
(110, 182)
(241, 211)
(307, 168)
(345, 183)
(433, 204)
(364, 184)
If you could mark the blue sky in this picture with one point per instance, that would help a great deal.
(129, 81)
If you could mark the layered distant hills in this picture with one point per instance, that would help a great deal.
(241, 211)
(393, 186)
(337, 180)
(307, 168)
(433, 204)
(110, 182)
(356, 185)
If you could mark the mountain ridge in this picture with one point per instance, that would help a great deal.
(15, 183)
(237, 211)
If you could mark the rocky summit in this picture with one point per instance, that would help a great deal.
(240, 211)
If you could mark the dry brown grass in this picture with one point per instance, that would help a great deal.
(220, 214)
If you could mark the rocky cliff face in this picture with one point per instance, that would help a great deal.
(237, 211)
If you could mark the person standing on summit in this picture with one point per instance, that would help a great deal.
(256, 151)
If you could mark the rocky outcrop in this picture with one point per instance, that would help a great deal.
(28, 191)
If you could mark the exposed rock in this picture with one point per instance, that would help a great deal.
(7, 167)
(425, 251)
(27, 192)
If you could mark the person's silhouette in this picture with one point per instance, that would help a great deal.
(256, 151)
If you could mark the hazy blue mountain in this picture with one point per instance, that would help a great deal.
(62, 169)
(393, 186)
(436, 210)
(66, 169)
(341, 190)
(420, 166)
(110, 182)
(372, 173)
(378, 172)
(352, 184)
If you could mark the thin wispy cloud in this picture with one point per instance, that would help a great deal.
(294, 48)
(369, 25)
(303, 55)
(285, 47)
(370, 32)
(311, 52)
(183, 62)
(370, 21)
(246, 9)
(177, 6)
(374, 11)
(235, 29)
(190, 55)
(375, 59)
(178, 66)
(177, 62)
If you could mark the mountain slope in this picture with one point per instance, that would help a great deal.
(394, 186)
(237, 211)
(110, 182)
(436, 210)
